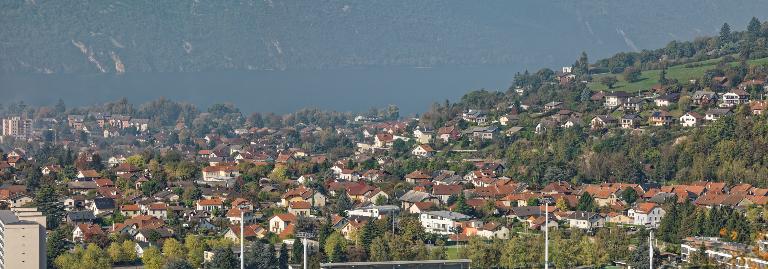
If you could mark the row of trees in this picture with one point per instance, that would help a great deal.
(684, 220)
(568, 249)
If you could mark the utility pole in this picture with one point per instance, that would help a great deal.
(546, 235)
(650, 248)
(304, 236)
(304, 243)
(242, 238)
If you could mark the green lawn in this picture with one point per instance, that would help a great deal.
(651, 77)
(452, 252)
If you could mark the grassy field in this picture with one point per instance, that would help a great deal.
(651, 77)
(452, 252)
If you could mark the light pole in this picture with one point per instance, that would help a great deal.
(650, 248)
(546, 235)
(242, 238)
(304, 236)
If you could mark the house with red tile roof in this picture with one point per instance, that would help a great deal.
(84, 232)
(130, 210)
(445, 191)
(299, 208)
(280, 222)
(646, 214)
(252, 232)
(210, 204)
(416, 176)
(304, 194)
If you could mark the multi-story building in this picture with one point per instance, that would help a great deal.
(649, 214)
(17, 127)
(22, 239)
(722, 254)
(441, 222)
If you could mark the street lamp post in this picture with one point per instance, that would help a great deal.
(242, 238)
(304, 236)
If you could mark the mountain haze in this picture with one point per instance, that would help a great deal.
(97, 36)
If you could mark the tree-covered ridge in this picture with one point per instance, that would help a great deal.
(97, 36)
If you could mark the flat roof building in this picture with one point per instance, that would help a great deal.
(22, 239)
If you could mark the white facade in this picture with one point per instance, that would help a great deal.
(374, 211)
(441, 222)
(688, 121)
(652, 218)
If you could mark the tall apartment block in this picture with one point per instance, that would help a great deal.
(17, 127)
(22, 239)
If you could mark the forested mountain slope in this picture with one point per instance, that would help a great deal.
(50, 36)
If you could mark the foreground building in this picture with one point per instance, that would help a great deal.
(721, 254)
(22, 237)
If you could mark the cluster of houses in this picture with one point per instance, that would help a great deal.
(116, 192)
(631, 111)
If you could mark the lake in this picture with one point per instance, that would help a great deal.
(411, 89)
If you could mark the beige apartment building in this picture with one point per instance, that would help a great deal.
(22, 239)
(17, 127)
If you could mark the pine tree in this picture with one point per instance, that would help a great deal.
(586, 203)
(725, 33)
(56, 244)
(343, 204)
(663, 76)
(223, 258)
(754, 28)
(461, 205)
(367, 235)
(639, 258)
(297, 253)
(338, 254)
(282, 260)
(47, 202)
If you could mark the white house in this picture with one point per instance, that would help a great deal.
(734, 97)
(423, 150)
(422, 135)
(615, 99)
(280, 222)
(374, 211)
(441, 222)
(716, 113)
(647, 214)
(691, 119)
(586, 220)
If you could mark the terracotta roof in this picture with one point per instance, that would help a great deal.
(286, 217)
(234, 212)
(385, 137)
(90, 173)
(300, 205)
(102, 182)
(90, 230)
(132, 207)
(741, 188)
(423, 206)
(759, 200)
(418, 174)
(212, 201)
(287, 232)
(220, 168)
(446, 189)
(253, 230)
(158, 206)
(645, 208)
(426, 148)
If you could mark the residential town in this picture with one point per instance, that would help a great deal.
(606, 176)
